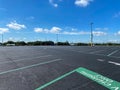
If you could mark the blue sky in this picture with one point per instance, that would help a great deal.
(32, 20)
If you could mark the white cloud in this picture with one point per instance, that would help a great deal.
(57, 30)
(69, 33)
(118, 33)
(101, 29)
(73, 29)
(3, 30)
(95, 33)
(10, 39)
(82, 3)
(53, 30)
(14, 25)
(46, 31)
(75, 33)
(38, 30)
(53, 4)
(99, 33)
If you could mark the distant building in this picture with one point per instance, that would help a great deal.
(72, 44)
(10, 44)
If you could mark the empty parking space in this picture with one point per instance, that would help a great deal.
(28, 68)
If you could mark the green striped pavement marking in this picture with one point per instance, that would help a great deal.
(55, 80)
(100, 79)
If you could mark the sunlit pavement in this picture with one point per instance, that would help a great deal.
(56, 68)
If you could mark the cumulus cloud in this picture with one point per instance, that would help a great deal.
(10, 38)
(75, 33)
(3, 30)
(53, 30)
(99, 33)
(101, 29)
(14, 25)
(57, 30)
(38, 30)
(52, 3)
(118, 33)
(82, 3)
(95, 33)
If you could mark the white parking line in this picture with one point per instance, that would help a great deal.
(115, 63)
(94, 54)
(113, 52)
(30, 66)
(24, 59)
(101, 60)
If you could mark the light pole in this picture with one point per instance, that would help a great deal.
(2, 38)
(91, 25)
(57, 38)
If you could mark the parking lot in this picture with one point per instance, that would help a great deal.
(59, 67)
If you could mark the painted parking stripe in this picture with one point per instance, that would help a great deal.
(115, 63)
(113, 52)
(30, 66)
(24, 59)
(100, 79)
(101, 60)
(95, 54)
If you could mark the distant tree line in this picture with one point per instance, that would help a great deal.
(97, 44)
(34, 43)
(107, 44)
(63, 43)
(51, 43)
(82, 44)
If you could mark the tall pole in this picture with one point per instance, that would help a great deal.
(2, 38)
(57, 38)
(91, 24)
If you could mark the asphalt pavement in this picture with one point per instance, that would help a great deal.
(60, 68)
